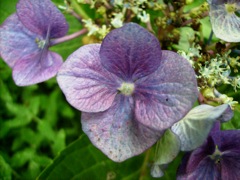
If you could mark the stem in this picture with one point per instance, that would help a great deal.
(189, 21)
(79, 10)
(237, 51)
(107, 5)
(70, 10)
(73, 13)
(210, 37)
(201, 98)
(144, 165)
(149, 26)
(67, 37)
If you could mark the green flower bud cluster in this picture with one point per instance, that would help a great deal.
(213, 97)
(213, 72)
(94, 29)
(197, 12)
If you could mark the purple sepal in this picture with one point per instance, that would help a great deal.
(19, 48)
(230, 165)
(165, 96)
(116, 132)
(36, 68)
(85, 83)
(191, 161)
(130, 52)
(16, 41)
(228, 140)
(227, 115)
(206, 170)
(41, 16)
(218, 158)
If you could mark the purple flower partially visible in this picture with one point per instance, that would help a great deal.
(25, 39)
(129, 90)
(218, 158)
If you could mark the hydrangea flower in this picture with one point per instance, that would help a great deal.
(26, 37)
(188, 134)
(128, 89)
(224, 20)
(217, 158)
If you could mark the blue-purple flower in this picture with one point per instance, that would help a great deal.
(25, 38)
(218, 158)
(128, 89)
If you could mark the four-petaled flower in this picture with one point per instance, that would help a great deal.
(25, 39)
(218, 158)
(224, 19)
(128, 89)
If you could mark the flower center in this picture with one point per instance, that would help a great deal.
(216, 156)
(41, 43)
(126, 88)
(231, 8)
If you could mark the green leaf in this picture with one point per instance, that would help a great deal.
(22, 157)
(236, 119)
(4, 93)
(194, 4)
(7, 8)
(45, 129)
(5, 170)
(194, 128)
(167, 149)
(206, 29)
(21, 120)
(59, 142)
(237, 13)
(26, 136)
(81, 160)
(33, 170)
(34, 103)
(234, 123)
(51, 108)
(187, 36)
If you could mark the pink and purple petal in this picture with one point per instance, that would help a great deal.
(36, 68)
(16, 41)
(130, 52)
(206, 170)
(85, 83)
(198, 161)
(116, 132)
(41, 16)
(217, 158)
(228, 140)
(165, 96)
(230, 165)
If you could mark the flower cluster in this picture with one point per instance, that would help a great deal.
(93, 29)
(119, 14)
(213, 72)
